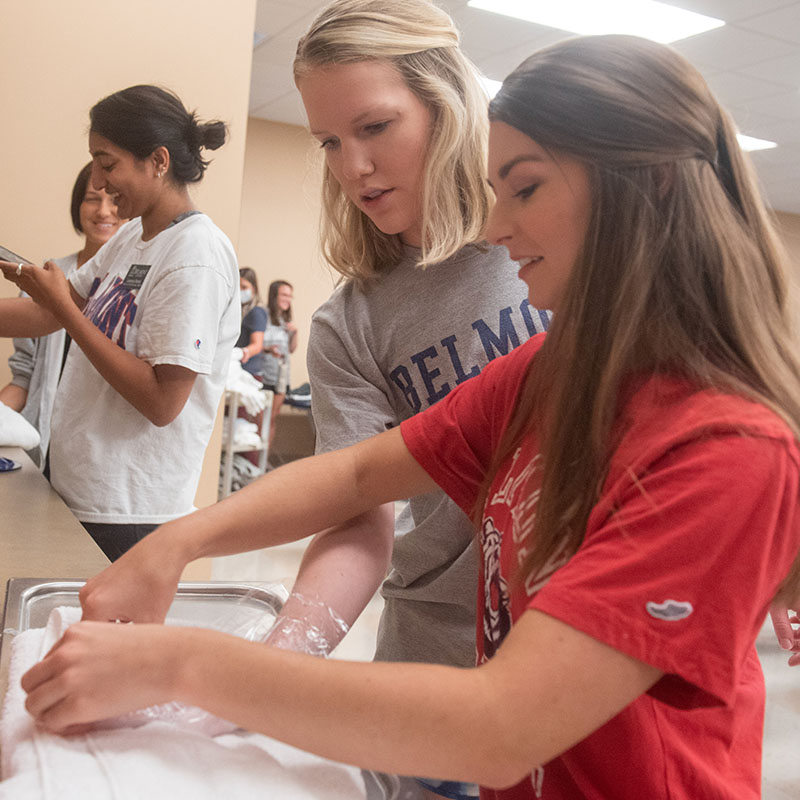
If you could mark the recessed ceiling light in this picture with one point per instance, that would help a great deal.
(492, 87)
(751, 143)
(657, 21)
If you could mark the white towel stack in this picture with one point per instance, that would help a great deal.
(15, 430)
(156, 760)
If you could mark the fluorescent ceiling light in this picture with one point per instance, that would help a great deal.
(751, 143)
(492, 87)
(657, 21)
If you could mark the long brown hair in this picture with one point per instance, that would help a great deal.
(277, 315)
(681, 270)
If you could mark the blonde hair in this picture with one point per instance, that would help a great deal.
(420, 41)
(681, 271)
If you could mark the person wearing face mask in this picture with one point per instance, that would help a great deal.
(36, 364)
(254, 323)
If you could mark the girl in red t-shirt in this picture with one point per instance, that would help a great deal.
(635, 477)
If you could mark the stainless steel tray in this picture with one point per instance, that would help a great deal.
(29, 602)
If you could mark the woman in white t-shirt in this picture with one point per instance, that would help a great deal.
(154, 316)
(36, 364)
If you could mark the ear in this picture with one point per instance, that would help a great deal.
(160, 158)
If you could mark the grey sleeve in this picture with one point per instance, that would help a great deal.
(21, 362)
(347, 402)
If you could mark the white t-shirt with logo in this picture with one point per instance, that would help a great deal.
(171, 300)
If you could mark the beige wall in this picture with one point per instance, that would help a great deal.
(59, 58)
(279, 222)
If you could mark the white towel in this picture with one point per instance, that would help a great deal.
(154, 761)
(15, 430)
(251, 392)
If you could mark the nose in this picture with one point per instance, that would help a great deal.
(497, 228)
(356, 161)
(97, 180)
(108, 207)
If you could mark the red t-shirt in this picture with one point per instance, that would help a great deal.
(697, 523)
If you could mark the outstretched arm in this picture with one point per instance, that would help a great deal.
(341, 570)
(547, 688)
(287, 504)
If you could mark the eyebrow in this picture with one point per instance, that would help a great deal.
(509, 165)
(379, 110)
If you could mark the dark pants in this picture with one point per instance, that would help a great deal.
(113, 539)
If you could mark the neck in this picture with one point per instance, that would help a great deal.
(173, 202)
(88, 250)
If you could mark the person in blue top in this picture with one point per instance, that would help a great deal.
(254, 323)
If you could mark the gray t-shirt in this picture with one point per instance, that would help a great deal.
(379, 356)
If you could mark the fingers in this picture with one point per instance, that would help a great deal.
(13, 272)
(779, 614)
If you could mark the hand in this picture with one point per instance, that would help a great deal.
(47, 285)
(783, 622)
(245, 355)
(100, 670)
(275, 350)
(139, 586)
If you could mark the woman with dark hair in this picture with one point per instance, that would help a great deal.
(37, 363)
(254, 323)
(280, 339)
(154, 316)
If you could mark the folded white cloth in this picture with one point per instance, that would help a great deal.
(157, 760)
(251, 393)
(15, 430)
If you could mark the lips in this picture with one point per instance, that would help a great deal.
(374, 195)
(523, 262)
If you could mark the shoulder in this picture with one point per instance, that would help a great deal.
(66, 263)
(196, 242)
(256, 315)
(518, 359)
(197, 231)
(666, 413)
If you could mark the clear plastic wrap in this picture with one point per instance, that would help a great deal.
(307, 625)
(304, 625)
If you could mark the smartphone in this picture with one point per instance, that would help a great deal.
(10, 255)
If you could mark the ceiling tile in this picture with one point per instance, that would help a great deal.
(783, 23)
(731, 48)
(733, 88)
(273, 17)
(287, 108)
(728, 10)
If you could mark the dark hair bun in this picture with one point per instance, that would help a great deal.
(213, 134)
(142, 118)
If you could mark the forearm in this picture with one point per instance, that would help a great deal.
(396, 718)
(341, 570)
(13, 396)
(303, 498)
(22, 317)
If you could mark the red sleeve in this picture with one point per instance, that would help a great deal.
(454, 440)
(679, 564)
